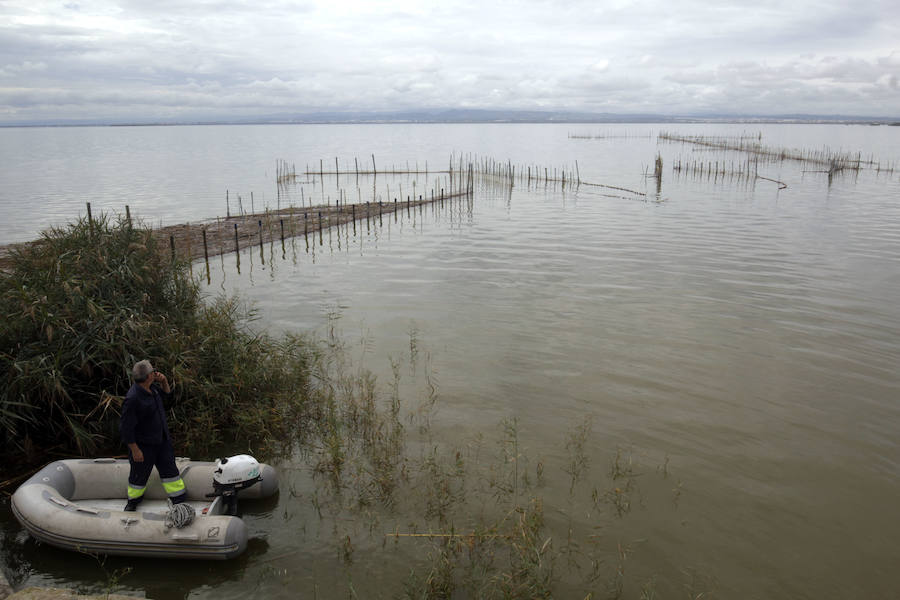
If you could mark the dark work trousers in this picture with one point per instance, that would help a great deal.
(163, 458)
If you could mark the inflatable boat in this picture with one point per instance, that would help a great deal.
(78, 505)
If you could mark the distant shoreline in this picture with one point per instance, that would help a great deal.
(492, 118)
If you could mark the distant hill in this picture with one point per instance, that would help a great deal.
(461, 115)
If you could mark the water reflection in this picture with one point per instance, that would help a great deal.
(375, 224)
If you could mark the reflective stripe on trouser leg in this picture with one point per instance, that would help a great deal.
(174, 486)
(135, 492)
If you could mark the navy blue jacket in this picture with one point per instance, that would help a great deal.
(144, 416)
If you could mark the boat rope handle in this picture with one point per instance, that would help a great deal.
(180, 515)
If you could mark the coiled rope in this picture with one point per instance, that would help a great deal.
(179, 515)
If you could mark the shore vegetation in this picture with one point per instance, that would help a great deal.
(84, 303)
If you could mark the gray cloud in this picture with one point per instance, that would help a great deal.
(144, 60)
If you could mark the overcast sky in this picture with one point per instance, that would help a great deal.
(184, 59)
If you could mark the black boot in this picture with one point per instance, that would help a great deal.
(132, 505)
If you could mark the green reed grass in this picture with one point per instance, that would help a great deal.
(85, 302)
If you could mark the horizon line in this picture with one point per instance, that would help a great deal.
(463, 116)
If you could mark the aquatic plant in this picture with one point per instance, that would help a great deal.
(463, 517)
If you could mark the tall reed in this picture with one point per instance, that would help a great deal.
(85, 302)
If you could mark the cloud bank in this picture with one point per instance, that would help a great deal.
(205, 60)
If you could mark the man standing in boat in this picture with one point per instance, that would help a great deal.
(144, 430)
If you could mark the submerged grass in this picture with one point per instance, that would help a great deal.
(483, 518)
(480, 517)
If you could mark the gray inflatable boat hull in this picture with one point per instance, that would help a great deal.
(73, 504)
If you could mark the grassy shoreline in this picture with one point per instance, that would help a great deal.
(90, 299)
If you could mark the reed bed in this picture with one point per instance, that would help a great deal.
(245, 226)
(745, 171)
(194, 241)
(460, 172)
(460, 169)
(832, 161)
(359, 182)
(530, 174)
(84, 303)
(479, 517)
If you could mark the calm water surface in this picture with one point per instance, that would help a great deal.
(747, 335)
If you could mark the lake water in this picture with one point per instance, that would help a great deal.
(738, 341)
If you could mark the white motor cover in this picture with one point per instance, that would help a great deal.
(236, 469)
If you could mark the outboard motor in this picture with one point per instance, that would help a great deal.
(232, 475)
